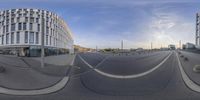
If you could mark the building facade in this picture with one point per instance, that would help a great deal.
(197, 38)
(23, 30)
(190, 46)
(172, 47)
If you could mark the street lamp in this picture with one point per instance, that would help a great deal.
(42, 44)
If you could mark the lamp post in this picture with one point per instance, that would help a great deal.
(42, 44)
(122, 45)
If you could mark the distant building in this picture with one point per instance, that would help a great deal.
(183, 46)
(164, 48)
(78, 48)
(190, 46)
(172, 47)
(139, 49)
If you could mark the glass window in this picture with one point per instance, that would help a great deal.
(37, 37)
(12, 37)
(7, 21)
(12, 27)
(31, 37)
(24, 26)
(32, 19)
(38, 27)
(12, 20)
(26, 37)
(19, 26)
(17, 37)
(18, 19)
(3, 29)
(47, 31)
(20, 15)
(37, 20)
(26, 19)
(46, 39)
(31, 26)
(24, 14)
(2, 39)
(50, 40)
(7, 27)
(7, 38)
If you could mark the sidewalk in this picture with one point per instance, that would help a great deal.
(64, 59)
(54, 65)
(25, 73)
(193, 59)
(25, 78)
(12, 61)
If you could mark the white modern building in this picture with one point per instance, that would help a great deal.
(172, 47)
(189, 46)
(21, 32)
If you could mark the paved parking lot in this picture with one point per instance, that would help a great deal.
(86, 81)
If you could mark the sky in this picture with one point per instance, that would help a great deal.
(105, 23)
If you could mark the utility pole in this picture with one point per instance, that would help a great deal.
(180, 44)
(151, 45)
(96, 48)
(42, 44)
(122, 45)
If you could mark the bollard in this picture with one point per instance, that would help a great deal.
(2, 69)
(196, 68)
(186, 59)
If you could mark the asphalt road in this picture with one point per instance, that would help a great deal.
(164, 83)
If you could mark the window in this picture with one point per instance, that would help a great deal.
(13, 15)
(12, 37)
(2, 22)
(24, 26)
(32, 19)
(50, 40)
(2, 39)
(31, 37)
(19, 26)
(47, 31)
(7, 27)
(54, 42)
(37, 20)
(20, 15)
(17, 37)
(46, 39)
(38, 27)
(26, 37)
(3, 29)
(12, 20)
(7, 38)
(12, 27)
(26, 19)
(18, 19)
(24, 14)
(51, 32)
(37, 38)
(7, 21)
(31, 26)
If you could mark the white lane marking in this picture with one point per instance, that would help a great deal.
(102, 62)
(193, 86)
(125, 76)
(61, 84)
(72, 63)
(51, 89)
